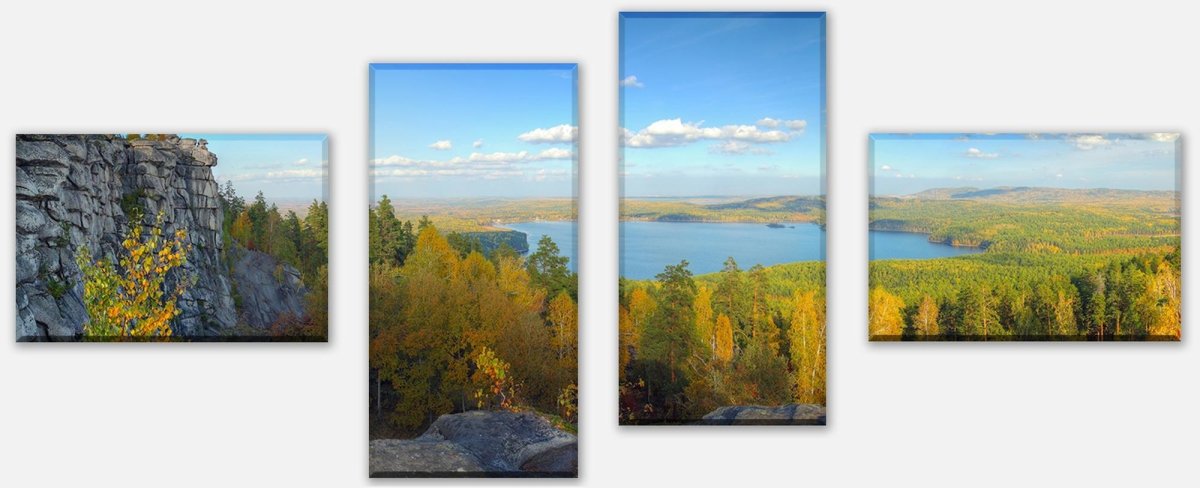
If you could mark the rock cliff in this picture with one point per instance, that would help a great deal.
(479, 443)
(83, 190)
(268, 289)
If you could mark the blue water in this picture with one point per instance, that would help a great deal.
(648, 247)
(907, 245)
(562, 233)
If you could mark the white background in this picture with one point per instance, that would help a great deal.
(135, 415)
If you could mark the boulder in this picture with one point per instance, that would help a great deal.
(793, 414)
(391, 457)
(501, 443)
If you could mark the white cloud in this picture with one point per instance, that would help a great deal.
(974, 152)
(1089, 141)
(555, 153)
(793, 124)
(491, 165)
(301, 162)
(297, 175)
(676, 132)
(442, 145)
(558, 134)
(730, 147)
(1163, 136)
(477, 144)
(632, 82)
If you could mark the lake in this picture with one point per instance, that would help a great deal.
(907, 245)
(648, 247)
(561, 232)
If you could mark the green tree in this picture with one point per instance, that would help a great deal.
(548, 269)
(668, 337)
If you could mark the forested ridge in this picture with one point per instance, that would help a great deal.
(1112, 224)
(454, 328)
(757, 210)
(480, 215)
(690, 344)
(1059, 265)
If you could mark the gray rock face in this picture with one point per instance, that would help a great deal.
(269, 289)
(421, 457)
(481, 442)
(70, 191)
(794, 414)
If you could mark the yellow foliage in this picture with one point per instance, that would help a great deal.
(130, 301)
(807, 338)
(885, 320)
(724, 338)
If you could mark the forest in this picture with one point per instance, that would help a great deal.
(481, 215)
(455, 328)
(302, 242)
(690, 344)
(1059, 265)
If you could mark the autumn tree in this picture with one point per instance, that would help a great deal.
(133, 300)
(562, 315)
(241, 230)
(926, 318)
(807, 346)
(885, 318)
(724, 339)
(705, 326)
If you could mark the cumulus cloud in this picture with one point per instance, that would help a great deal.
(554, 135)
(885, 168)
(731, 147)
(301, 162)
(1089, 141)
(676, 132)
(632, 82)
(975, 152)
(499, 157)
(493, 165)
(793, 125)
(1163, 136)
(442, 145)
(284, 175)
(477, 144)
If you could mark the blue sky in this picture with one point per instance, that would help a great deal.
(722, 104)
(908, 163)
(285, 167)
(476, 130)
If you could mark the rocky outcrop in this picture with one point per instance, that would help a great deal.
(80, 191)
(794, 414)
(269, 289)
(479, 443)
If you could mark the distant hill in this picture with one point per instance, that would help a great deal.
(774, 204)
(1035, 194)
(763, 209)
